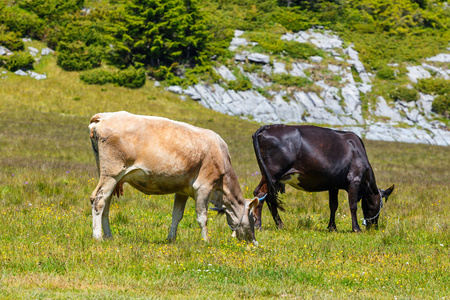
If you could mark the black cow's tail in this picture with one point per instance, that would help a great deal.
(273, 202)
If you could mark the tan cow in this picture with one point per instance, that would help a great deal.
(159, 156)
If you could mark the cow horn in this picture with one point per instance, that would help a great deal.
(262, 198)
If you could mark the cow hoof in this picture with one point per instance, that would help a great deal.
(280, 226)
(356, 230)
(98, 238)
(332, 229)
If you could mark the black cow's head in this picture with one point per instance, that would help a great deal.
(372, 205)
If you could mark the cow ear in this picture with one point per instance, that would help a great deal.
(386, 193)
(220, 210)
(253, 203)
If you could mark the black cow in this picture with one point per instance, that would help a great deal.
(316, 159)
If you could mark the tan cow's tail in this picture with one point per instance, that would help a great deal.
(94, 139)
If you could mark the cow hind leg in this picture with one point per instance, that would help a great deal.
(100, 200)
(177, 214)
(275, 215)
(333, 203)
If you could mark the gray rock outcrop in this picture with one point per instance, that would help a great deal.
(225, 73)
(443, 57)
(258, 58)
(34, 52)
(5, 51)
(417, 72)
(339, 106)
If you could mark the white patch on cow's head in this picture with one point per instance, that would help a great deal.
(246, 228)
(251, 204)
(91, 126)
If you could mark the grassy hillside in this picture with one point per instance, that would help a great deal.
(47, 250)
(178, 42)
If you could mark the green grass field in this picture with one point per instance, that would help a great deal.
(47, 173)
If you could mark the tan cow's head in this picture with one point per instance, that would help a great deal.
(245, 228)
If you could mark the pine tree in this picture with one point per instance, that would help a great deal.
(157, 33)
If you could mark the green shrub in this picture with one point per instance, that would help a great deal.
(441, 105)
(379, 47)
(289, 80)
(270, 42)
(405, 94)
(193, 76)
(51, 9)
(240, 84)
(294, 19)
(399, 17)
(98, 76)
(386, 73)
(131, 77)
(273, 43)
(184, 77)
(301, 50)
(252, 68)
(172, 79)
(199, 73)
(19, 60)
(160, 73)
(434, 86)
(76, 56)
(21, 21)
(87, 29)
(12, 41)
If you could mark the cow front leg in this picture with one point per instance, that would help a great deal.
(257, 213)
(333, 203)
(105, 219)
(353, 203)
(100, 200)
(177, 214)
(261, 192)
(201, 208)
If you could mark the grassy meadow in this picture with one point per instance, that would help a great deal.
(47, 173)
